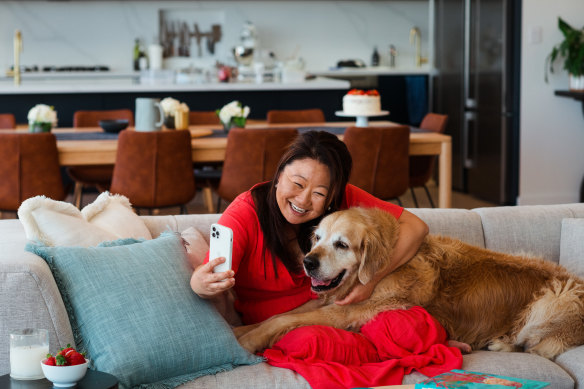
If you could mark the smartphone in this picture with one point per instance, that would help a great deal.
(221, 245)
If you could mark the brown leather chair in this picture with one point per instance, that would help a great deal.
(94, 176)
(380, 159)
(30, 167)
(422, 166)
(296, 116)
(251, 156)
(154, 169)
(7, 121)
(203, 117)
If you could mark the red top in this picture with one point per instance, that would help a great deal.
(260, 294)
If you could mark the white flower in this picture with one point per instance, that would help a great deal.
(233, 112)
(42, 113)
(169, 106)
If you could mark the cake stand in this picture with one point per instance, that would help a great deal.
(362, 120)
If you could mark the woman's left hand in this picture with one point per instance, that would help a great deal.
(359, 293)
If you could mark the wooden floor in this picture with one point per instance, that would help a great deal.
(459, 200)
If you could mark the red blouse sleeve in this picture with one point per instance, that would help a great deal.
(357, 197)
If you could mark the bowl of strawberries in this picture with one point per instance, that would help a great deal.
(66, 368)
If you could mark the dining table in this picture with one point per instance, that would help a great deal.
(84, 146)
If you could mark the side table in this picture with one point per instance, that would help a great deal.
(92, 380)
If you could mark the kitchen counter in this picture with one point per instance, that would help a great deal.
(107, 83)
(374, 71)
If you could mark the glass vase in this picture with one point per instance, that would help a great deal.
(40, 127)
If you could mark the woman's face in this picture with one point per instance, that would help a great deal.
(302, 190)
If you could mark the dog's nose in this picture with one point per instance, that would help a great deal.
(311, 263)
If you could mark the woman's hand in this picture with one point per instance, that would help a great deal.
(207, 284)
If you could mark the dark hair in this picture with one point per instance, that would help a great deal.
(325, 148)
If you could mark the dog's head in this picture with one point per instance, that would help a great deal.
(348, 247)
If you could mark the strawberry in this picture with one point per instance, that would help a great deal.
(372, 92)
(75, 358)
(60, 360)
(50, 361)
(356, 92)
(65, 350)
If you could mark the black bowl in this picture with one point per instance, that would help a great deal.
(114, 125)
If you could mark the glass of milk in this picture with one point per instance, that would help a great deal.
(28, 347)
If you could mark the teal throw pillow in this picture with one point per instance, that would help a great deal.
(132, 310)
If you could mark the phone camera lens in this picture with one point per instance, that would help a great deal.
(214, 229)
(213, 234)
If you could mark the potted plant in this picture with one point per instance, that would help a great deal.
(233, 114)
(41, 118)
(571, 49)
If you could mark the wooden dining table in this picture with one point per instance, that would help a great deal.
(208, 148)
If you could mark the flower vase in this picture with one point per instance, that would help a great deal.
(169, 121)
(40, 127)
(229, 126)
(576, 83)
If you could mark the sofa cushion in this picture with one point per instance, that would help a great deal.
(528, 230)
(131, 308)
(572, 246)
(455, 223)
(58, 223)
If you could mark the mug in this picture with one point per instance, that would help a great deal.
(28, 347)
(149, 114)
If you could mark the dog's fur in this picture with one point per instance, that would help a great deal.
(482, 297)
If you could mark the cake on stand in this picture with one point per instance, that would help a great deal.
(362, 120)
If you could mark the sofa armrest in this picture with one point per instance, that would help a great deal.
(29, 296)
(573, 362)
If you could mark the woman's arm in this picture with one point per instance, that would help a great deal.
(413, 230)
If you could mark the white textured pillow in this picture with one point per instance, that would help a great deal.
(114, 213)
(572, 245)
(58, 223)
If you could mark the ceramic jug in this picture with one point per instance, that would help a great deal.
(149, 114)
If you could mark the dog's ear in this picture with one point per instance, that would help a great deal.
(377, 246)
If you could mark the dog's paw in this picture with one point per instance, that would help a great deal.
(501, 344)
(251, 343)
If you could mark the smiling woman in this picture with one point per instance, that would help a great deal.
(272, 225)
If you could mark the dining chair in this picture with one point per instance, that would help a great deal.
(251, 156)
(98, 176)
(422, 166)
(154, 169)
(7, 121)
(30, 167)
(314, 115)
(203, 117)
(207, 175)
(380, 160)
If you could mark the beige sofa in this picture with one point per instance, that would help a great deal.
(29, 297)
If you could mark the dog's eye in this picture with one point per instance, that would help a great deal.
(341, 245)
(316, 238)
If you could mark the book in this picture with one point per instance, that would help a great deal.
(474, 380)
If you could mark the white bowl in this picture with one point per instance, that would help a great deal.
(64, 376)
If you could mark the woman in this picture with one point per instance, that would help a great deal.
(272, 223)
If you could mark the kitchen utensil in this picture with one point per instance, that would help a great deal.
(149, 114)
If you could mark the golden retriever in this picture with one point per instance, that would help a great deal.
(482, 297)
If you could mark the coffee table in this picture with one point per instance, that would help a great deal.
(92, 380)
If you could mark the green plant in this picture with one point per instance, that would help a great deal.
(571, 49)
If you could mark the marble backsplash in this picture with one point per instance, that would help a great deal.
(320, 32)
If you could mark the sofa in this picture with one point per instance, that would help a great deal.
(29, 296)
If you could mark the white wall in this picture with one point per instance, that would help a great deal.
(103, 32)
(552, 127)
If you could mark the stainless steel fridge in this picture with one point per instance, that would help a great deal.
(477, 57)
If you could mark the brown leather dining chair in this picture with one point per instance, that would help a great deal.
(251, 156)
(154, 169)
(380, 159)
(314, 115)
(98, 176)
(422, 166)
(203, 117)
(30, 167)
(7, 121)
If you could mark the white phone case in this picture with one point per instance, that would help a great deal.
(221, 245)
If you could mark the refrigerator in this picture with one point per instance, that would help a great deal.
(477, 60)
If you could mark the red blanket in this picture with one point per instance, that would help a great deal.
(391, 345)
